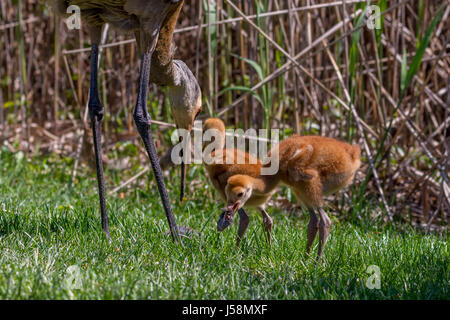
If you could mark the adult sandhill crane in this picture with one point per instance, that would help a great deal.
(153, 23)
(228, 164)
(312, 167)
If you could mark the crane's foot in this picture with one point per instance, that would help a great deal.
(186, 232)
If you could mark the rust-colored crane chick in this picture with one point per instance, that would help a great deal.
(312, 167)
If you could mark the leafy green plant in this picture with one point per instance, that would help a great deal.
(266, 95)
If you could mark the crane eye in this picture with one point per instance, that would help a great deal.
(240, 194)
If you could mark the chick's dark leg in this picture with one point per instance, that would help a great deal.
(267, 224)
(313, 227)
(243, 224)
(143, 124)
(324, 228)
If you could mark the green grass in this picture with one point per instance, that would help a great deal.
(47, 226)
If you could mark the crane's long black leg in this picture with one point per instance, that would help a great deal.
(96, 115)
(143, 124)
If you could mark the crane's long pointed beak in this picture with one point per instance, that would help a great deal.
(183, 180)
(183, 171)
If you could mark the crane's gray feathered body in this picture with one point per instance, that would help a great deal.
(143, 18)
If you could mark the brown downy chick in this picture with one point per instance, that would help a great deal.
(226, 163)
(312, 167)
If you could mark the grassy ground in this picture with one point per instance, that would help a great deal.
(50, 234)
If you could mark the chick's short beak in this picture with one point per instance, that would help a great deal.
(233, 207)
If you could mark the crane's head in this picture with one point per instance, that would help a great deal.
(186, 103)
(238, 190)
(185, 96)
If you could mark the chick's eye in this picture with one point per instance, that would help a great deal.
(240, 194)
